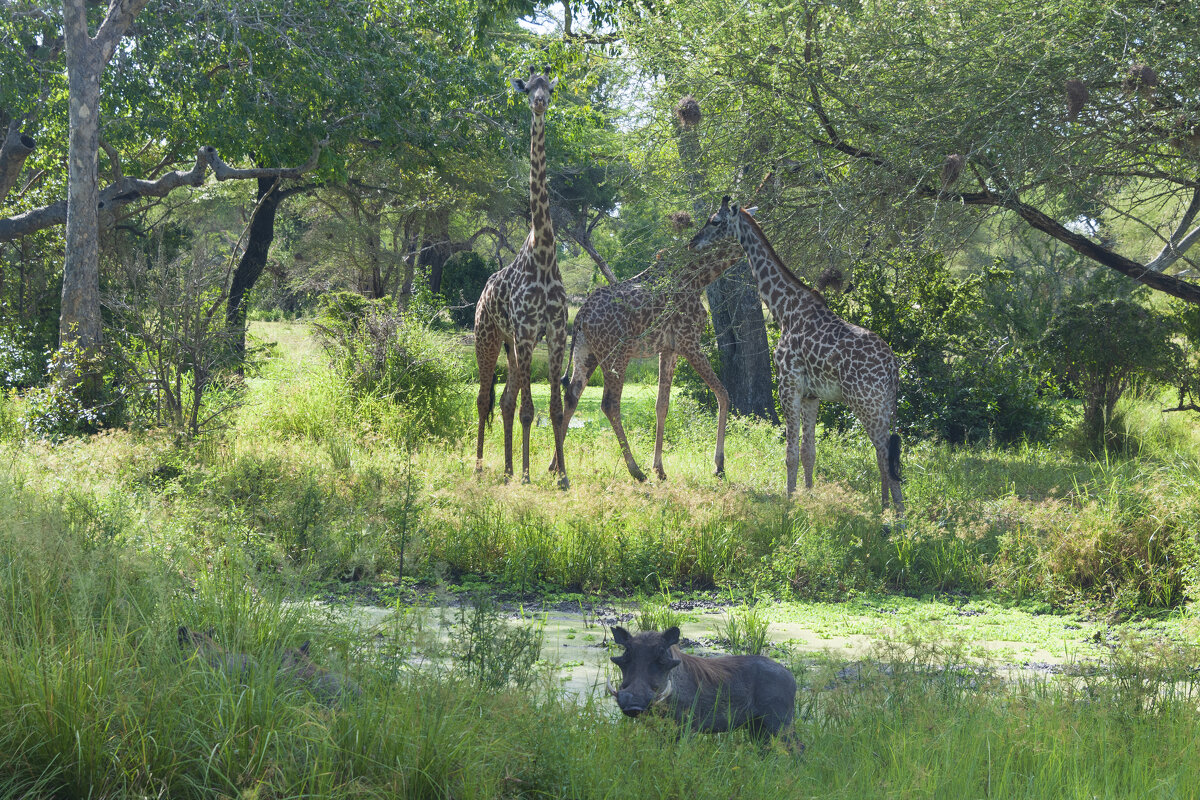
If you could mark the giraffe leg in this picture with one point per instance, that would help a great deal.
(571, 393)
(885, 443)
(486, 355)
(508, 406)
(556, 345)
(700, 363)
(610, 404)
(524, 361)
(790, 401)
(666, 372)
(808, 446)
(894, 478)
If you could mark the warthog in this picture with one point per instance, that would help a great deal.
(711, 695)
(233, 664)
(295, 666)
(327, 686)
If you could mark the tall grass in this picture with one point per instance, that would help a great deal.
(109, 544)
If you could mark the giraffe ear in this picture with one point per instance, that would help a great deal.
(750, 211)
(519, 85)
(553, 84)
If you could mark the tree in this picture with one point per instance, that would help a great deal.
(87, 56)
(1080, 120)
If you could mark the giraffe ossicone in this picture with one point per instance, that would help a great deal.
(820, 356)
(521, 304)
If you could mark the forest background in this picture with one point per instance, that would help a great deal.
(244, 375)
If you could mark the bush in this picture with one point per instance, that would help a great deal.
(22, 356)
(169, 336)
(384, 354)
(959, 382)
(71, 403)
(1100, 348)
(463, 278)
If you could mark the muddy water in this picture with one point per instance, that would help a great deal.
(576, 641)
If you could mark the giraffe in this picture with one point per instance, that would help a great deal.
(658, 311)
(522, 303)
(819, 357)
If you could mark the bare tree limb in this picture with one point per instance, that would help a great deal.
(127, 190)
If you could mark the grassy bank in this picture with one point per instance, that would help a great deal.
(108, 544)
(100, 700)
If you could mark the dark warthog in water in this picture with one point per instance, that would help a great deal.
(711, 695)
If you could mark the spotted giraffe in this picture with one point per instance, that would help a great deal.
(522, 303)
(819, 357)
(658, 311)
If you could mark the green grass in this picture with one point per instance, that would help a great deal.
(109, 543)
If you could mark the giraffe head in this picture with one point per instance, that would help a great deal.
(720, 225)
(538, 87)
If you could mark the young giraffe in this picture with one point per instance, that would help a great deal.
(819, 357)
(522, 303)
(658, 311)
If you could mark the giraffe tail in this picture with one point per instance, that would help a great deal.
(566, 378)
(893, 456)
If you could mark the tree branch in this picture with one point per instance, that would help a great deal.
(127, 190)
(13, 151)
(1179, 244)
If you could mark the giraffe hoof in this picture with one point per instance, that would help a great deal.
(662, 475)
(638, 475)
(720, 473)
(525, 478)
(563, 483)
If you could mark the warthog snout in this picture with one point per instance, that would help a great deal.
(710, 695)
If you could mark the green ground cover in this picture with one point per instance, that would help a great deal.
(108, 544)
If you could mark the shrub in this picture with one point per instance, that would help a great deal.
(69, 405)
(463, 278)
(1101, 348)
(387, 355)
(22, 354)
(170, 337)
(959, 382)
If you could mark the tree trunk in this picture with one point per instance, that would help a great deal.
(737, 315)
(741, 331)
(254, 260)
(79, 317)
(436, 248)
(15, 148)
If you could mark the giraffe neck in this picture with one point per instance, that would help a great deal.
(542, 232)
(711, 263)
(784, 293)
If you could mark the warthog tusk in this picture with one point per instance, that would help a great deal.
(610, 688)
(661, 697)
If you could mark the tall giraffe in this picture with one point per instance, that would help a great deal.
(522, 303)
(819, 357)
(658, 311)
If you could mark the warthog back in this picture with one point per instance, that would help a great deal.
(711, 695)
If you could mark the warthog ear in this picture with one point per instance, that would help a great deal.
(304, 648)
(183, 635)
(620, 635)
(671, 636)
